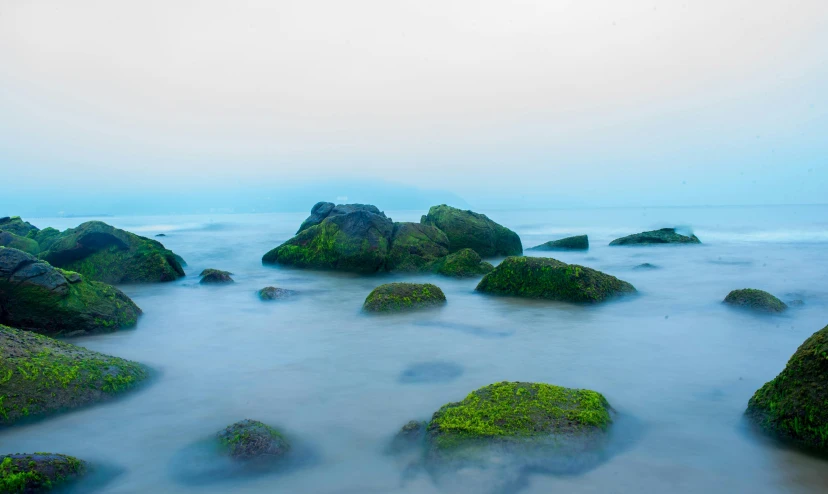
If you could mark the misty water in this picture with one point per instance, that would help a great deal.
(676, 364)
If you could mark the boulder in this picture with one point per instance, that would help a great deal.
(26, 244)
(792, 406)
(319, 212)
(397, 297)
(662, 236)
(215, 276)
(410, 437)
(37, 296)
(541, 277)
(40, 376)
(251, 439)
(464, 263)
(414, 246)
(39, 472)
(17, 226)
(111, 255)
(467, 229)
(275, 293)
(46, 237)
(578, 242)
(757, 300)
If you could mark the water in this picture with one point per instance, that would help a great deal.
(674, 359)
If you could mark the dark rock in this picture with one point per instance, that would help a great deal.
(662, 236)
(467, 229)
(17, 226)
(646, 266)
(319, 212)
(275, 293)
(251, 439)
(579, 242)
(414, 246)
(161, 235)
(464, 263)
(38, 472)
(410, 437)
(397, 297)
(215, 276)
(757, 300)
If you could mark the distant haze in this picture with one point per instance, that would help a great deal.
(186, 106)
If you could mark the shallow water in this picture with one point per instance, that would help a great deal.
(673, 359)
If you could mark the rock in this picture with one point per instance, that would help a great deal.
(579, 242)
(466, 229)
(40, 376)
(414, 246)
(161, 235)
(46, 237)
(9, 239)
(274, 293)
(646, 266)
(180, 260)
(319, 212)
(251, 439)
(38, 472)
(464, 263)
(17, 226)
(792, 406)
(352, 237)
(39, 297)
(431, 372)
(542, 277)
(757, 300)
(396, 297)
(662, 236)
(104, 253)
(410, 437)
(215, 276)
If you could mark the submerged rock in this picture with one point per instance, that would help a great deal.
(215, 276)
(275, 293)
(662, 236)
(464, 263)
(792, 406)
(431, 372)
(578, 242)
(467, 229)
(396, 297)
(753, 299)
(414, 246)
(40, 376)
(17, 226)
(38, 297)
(251, 439)
(38, 472)
(646, 266)
(111, 255)
(410, 437)
(26, 244)
(547, 278)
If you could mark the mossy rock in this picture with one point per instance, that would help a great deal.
(541, 277)
(662, 236)
(274, 293)
(578, 242)
(16, 225)
(215, 276)
(467, 229)
(26, 244)
(794, 405)
(397, 297)
(39, 297)
(46, 237)
(414, 246)
(111, 255)
(38, 472)
(40, 376)
(758, 300)
(251, 439)
(464, 263)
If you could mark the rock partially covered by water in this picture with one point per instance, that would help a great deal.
(38, 297)
(17, 226)
(645, 267)
(464, 263)
(26, 244)
(578, 242)
(396, 297)
(467, 229)
(542, 277)
(758, 300)
(414, 246)
(275, 293)
(38, 472)
(111, 255)
(40, 376)
(662, 236)
(792, 406)
(216, 276)
(410, 437)
(251, 439)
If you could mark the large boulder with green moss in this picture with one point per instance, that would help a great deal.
(111, 255)
(251, 439)
(40, 376)
(352, 237)
(467, 229)
(578, 242)
(794, 405)
(756, 300)
(662, 236)
(26, 244)
(39, 472)
(465, 263)
(16, 225)
(547, 278)
(414, 246)
(39, 297)
(398, 297)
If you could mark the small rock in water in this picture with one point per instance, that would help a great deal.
(215, 276)
(646, 266)
(161, 235)
(431, 372)
(250, 439)
(758, 300)
(38, 472)
(398, 297)
(275, 293)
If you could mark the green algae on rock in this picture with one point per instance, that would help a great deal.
(547, 278)
(794, 405)
(38, 472)
(275, 293)
(17, 226)
(467, 229)
(26, 244)
(758, 300)
(464, 263)
(662, 236)
(578, 242)
(396, 297)
(39, 297)
(111, 255)
(251, 439)
(216, 276)
(40, 376)
(414, 246)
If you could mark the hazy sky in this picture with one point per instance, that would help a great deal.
(520, 103)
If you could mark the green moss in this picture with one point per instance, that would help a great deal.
(8, 239)
(414, 246)
(461, 264)
(39, 472)
(396, 297)
(578, 242)
(251, 439)
(215, 276)
(759, 300)
(467, 229)
(794, 405)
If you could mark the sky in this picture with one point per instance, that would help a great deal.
(117, 106)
